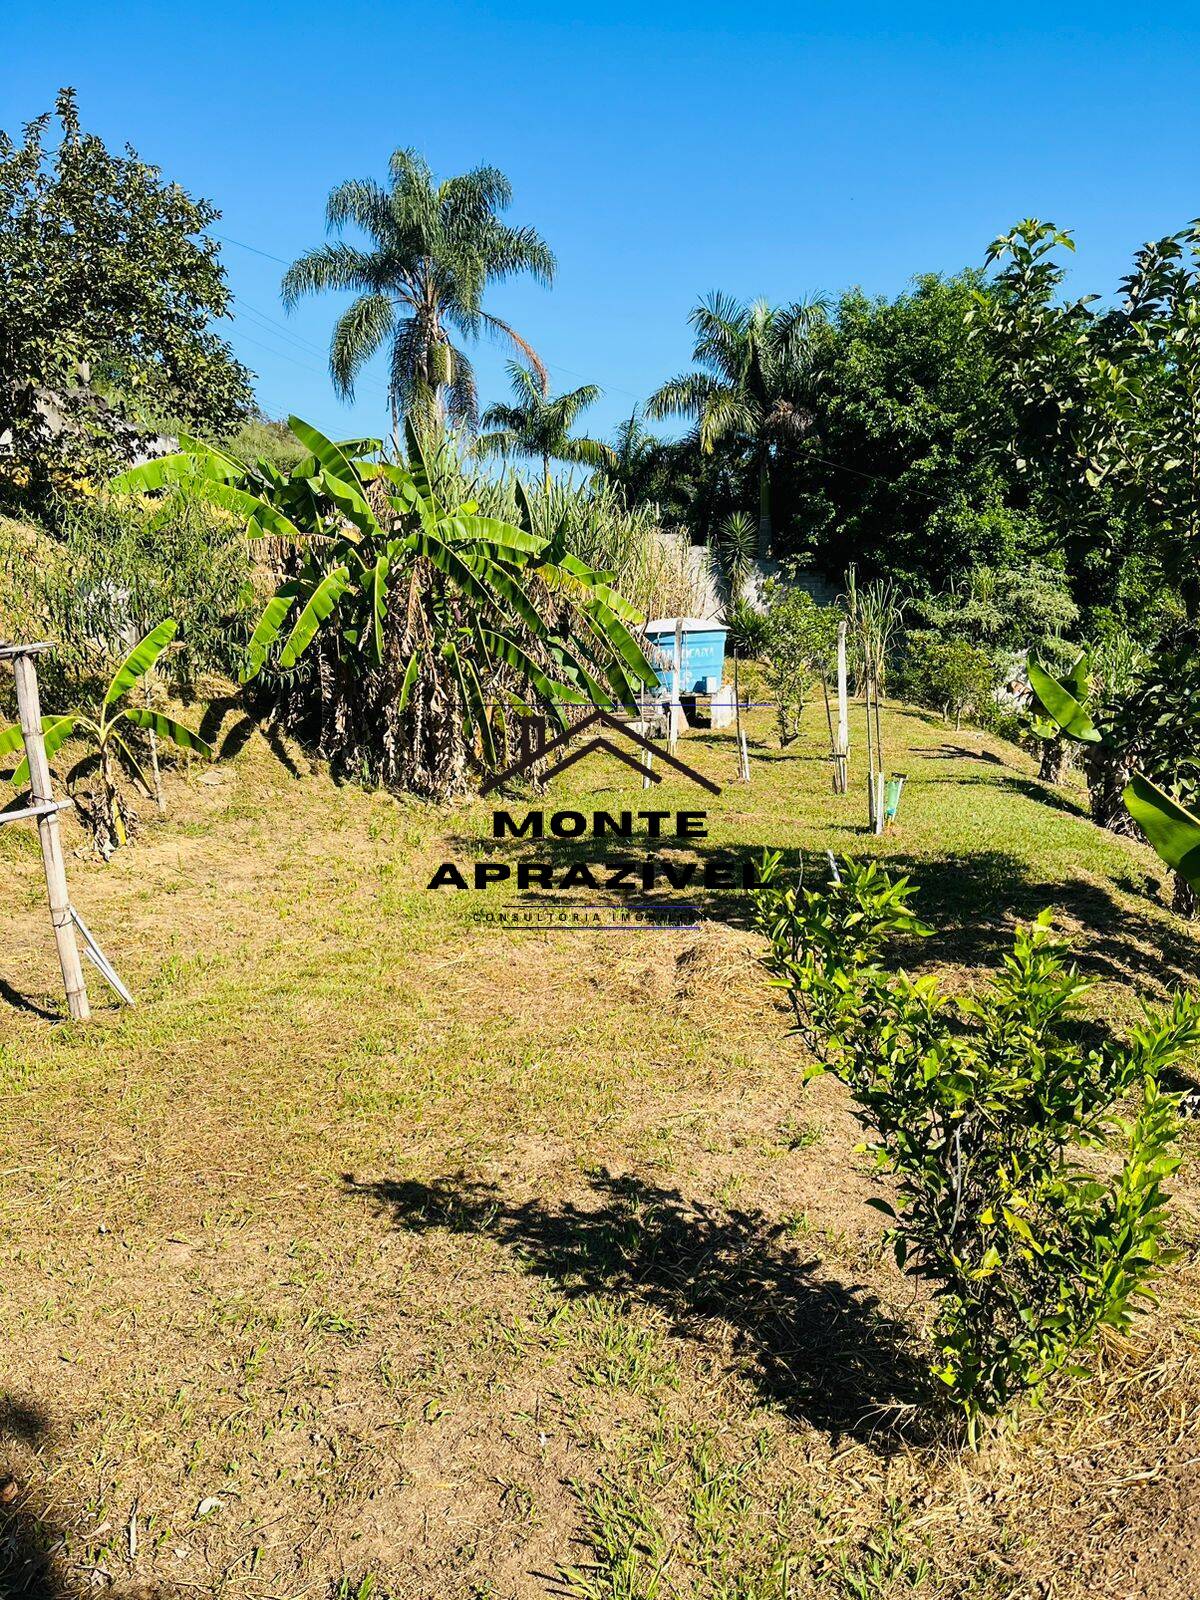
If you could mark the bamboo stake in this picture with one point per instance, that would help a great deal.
(833, 749)
(158, 794)
(843, 733)
(737, 709)
(870, 757)
(30, 712)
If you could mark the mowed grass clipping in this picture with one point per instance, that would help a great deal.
(382, 1250)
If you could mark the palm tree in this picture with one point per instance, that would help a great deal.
(755, 359)
(636, 456)
(434, 248)
(539, 424)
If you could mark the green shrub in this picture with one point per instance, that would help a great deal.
(747, 630)
(107, 570)
(978, 1108)
(951, 676)
(261, 438)
(1007, 609)
(801, 637)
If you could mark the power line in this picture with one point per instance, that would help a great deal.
(253, 249)
(303, 344)
(555, 366)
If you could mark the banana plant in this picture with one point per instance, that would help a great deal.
(107, 730)
(425, 626)
(1174, 833)
(1059, 712)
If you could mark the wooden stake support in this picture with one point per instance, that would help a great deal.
(63, 917)
(841, 754)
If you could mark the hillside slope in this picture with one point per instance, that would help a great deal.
(380, 1242)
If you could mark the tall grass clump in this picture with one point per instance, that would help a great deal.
(653, 570)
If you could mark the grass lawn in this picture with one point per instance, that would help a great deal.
(379, 1251)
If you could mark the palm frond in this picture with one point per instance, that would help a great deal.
(362, 202)
(587, 453)
(328, 266)
(683, 396)
(502, 330)
(357, 335)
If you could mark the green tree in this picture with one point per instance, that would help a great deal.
(801, 639)
(950, 676)
(755, 359)
(1147, 391)
(433, 249)
(107, 296)
(1105, 407)
(636, 460)
(904, 471)
(538, 425)
(1153, 728)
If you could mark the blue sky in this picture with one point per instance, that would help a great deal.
(663, 151)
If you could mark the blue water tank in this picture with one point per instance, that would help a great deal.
(702, 663)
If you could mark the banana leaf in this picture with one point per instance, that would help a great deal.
(268, 628)
(317, 608)
(1171, 828)
(1062, 706)
(331, 456)
(140, 659)
(167, 728)
(55, 733)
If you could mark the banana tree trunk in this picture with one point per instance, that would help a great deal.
(1054, 762)
(1185, 902)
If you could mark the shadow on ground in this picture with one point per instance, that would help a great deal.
(236, 737)
(29, 1546)
(24, 1002)
(821, 1351)
(973, 901)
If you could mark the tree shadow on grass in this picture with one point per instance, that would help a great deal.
(973, 901)
(237, 735)
(1045, 794)
(29, 1546)
(820, 1350)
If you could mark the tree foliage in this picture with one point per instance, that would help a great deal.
(800, 640)
(753, 362)
(902, 471)
(1106, 399)
(108, 290)
(537, 425)
(952, 676)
